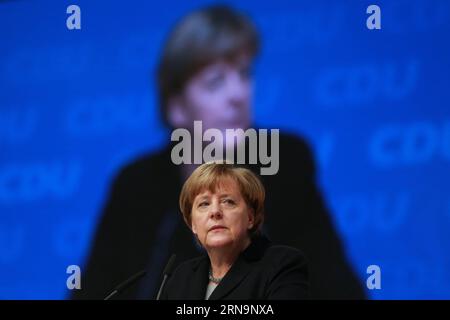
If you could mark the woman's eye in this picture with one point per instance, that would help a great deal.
(214, 83)
(203, 204)
(229, 201)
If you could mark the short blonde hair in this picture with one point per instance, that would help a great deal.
(209, 176)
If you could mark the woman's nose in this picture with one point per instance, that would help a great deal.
(215, 212)
(237, 91)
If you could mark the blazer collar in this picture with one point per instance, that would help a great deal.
(237, 273)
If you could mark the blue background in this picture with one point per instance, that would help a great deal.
(76, 105)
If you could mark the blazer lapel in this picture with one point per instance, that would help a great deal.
(199, 280)
(234, 276)
(241, 267)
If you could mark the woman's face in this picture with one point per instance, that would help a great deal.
(220, 96)
(221, 218)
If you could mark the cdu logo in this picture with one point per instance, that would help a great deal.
(410, 144)
(35, 181)
(363, 83)
(108, 114)
(413, 16)
(413, 276)
(291, 29)
(381, 211)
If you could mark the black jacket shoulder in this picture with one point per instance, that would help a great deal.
(262, 271)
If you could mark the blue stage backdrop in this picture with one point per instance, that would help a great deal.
(76, 105)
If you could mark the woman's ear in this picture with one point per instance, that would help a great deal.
(176, 113)
(251, 219)
(194, 229)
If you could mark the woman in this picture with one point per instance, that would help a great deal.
(223, 206)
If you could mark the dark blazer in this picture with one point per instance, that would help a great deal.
(141, 226)
(262, 271)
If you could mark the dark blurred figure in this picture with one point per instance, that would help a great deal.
(205, 74)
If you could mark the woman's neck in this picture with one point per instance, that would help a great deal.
(223, 258)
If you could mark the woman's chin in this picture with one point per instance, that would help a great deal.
(217, 241)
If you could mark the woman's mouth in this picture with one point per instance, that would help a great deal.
(214, 228)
